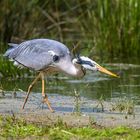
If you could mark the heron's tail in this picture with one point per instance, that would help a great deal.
(10, 54)
(10, 50)
(13, 45)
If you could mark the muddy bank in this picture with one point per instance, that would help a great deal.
(66, 110)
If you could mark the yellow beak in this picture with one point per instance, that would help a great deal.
(101, 69)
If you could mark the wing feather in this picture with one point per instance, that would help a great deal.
(31, 54)
(35, 54)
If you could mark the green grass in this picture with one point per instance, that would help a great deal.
(15, 128)
(7, 69)
(102, 28)
(105, 30)
(112, 28)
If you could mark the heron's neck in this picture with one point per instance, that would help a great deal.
(78, 70)
(73, 69)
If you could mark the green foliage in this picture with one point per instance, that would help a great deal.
(11, 127)
(77, 103)
(15, 128)
(113, 27)
(124, 105)
(102, 28)
(7, 69)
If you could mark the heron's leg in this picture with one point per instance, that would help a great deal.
(29, 89)
(45, 97)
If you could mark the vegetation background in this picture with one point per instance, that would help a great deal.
(104, 30)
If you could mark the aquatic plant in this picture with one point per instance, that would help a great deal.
(102, 29)
(124, 105)
(2, 90)
(101, 103)
(106, 29)
(7, 69)
(77, 103)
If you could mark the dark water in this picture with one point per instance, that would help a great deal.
(92, 86)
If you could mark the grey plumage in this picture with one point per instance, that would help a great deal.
(13, 45)
(45, 55)
(37, 54)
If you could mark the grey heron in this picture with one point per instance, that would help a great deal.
(48, 56)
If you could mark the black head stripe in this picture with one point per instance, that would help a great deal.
(80, 61)
(87, 62)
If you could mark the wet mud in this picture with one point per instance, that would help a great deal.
(82, 113)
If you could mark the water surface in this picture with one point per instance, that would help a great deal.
(92, 86)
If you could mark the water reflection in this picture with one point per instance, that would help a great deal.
(92, 86)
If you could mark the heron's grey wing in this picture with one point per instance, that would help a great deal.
(31, 55)
(34, 60)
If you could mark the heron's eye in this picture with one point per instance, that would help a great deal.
(56, 58)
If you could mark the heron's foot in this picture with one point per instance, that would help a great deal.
(45, 100)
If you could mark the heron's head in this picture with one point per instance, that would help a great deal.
(91, 65)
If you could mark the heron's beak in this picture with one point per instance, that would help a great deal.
(89, 64)
(101, 69)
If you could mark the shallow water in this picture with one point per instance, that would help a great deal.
(92, 86)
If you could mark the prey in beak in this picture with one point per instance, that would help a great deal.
(89, 64)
